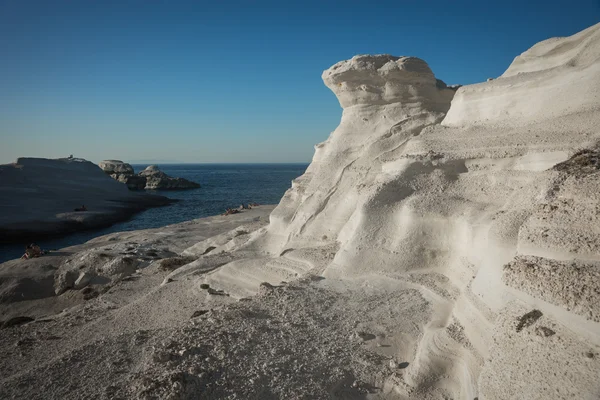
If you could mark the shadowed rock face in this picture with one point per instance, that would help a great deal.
(123, 173)
(38, 197)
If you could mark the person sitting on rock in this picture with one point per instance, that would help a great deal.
(32, 251)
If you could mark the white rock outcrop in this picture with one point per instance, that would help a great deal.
(411, 190)
(555, 77)
(116, 167)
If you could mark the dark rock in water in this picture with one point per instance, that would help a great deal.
(152, 178)
(123, 172)
(158, 180)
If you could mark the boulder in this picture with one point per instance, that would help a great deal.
(124, 173)
(133, 182)
(116, 167)
(64, 280)
(119, 267)
(158, 180)
(84, 279)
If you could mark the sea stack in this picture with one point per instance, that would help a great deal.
(151, 178)
(123, 173)
(158, 180)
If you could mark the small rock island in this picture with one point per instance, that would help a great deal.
(152, 178)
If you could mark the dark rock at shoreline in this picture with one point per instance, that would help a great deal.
(38, 197)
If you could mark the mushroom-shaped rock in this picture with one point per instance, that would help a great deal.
(385, 79)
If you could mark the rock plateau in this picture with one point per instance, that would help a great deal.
(39, 196)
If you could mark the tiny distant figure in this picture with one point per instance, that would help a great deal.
(82, 208)
(33, 251)
(71, 157)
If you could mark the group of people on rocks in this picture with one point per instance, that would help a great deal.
(230, 211)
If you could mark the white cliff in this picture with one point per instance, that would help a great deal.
(404, 193)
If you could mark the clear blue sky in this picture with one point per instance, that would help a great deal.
(230, 81)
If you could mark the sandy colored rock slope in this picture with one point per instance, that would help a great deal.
(441, 245)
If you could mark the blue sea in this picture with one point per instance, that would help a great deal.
(223, 185)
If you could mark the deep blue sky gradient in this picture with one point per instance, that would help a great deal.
(230, 81)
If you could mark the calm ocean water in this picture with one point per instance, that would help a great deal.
(223, 185)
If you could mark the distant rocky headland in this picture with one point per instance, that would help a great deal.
(39, 197)
(152, 178)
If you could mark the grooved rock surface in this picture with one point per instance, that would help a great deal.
(385, 79)
(573, 285)
(556, 77)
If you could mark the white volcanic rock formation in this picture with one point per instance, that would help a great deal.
(437, 247)
(555, 77)
(396, 194)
